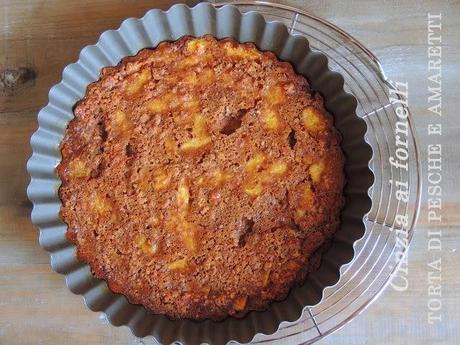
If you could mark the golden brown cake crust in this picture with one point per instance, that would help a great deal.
(199, 178)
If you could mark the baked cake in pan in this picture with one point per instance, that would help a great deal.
(199, 178)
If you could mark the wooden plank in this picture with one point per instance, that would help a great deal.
(45, 36)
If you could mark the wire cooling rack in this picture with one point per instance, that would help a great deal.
(383, 248)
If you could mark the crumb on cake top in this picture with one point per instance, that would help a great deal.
(200, 177)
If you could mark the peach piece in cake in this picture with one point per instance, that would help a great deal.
(275, 95)
(139, 80)
(100, 203)
(270, 119)
(161, 179)
(316, 170)
(312, 119)
(178, 264)
(200, 138)
(78, 168)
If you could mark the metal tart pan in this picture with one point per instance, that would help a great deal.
(157, 26)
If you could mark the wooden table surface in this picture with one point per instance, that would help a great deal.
(42, 36)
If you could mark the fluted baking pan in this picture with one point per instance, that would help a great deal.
(133, 35)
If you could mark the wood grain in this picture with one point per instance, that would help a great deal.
(46, 35)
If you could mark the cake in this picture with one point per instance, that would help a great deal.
(201, 178)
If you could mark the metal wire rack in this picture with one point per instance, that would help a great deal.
(380, 252)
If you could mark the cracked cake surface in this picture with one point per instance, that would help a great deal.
(200, 177)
